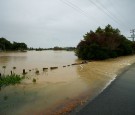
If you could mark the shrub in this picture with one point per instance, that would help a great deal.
(103, 44)
(10, 80)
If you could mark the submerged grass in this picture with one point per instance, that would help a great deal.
(6, 80)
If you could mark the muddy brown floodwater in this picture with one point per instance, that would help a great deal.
(55, 91)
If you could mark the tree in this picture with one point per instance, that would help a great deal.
(19, 46)
(57, 48)
(7, 45)
(104, 43)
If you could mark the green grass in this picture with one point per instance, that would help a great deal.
(6, 80)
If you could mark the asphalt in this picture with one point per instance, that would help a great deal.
(116, 99)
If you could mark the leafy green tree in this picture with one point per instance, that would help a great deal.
(19, 46)
(57, 48)
(104, 43)
(5, 44)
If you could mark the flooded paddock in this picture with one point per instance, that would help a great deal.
(56, 90)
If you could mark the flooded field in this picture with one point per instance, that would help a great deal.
(55, 91)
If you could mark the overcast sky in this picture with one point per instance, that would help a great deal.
(49, 23)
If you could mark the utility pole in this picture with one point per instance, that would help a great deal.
(133, 34)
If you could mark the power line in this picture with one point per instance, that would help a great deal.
(99, 6)
(120, 13)
(111, 14)
(116, 8)
(105, 12)
(74, 7)
(78, 9)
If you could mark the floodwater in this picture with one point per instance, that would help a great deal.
(55, 91)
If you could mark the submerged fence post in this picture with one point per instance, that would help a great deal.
(23, 71)
(11, 73)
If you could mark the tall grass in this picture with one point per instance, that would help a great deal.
(13, 79)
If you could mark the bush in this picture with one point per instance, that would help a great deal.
(103, 44)
(10, 80)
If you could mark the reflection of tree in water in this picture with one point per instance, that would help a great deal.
(4, 59)
(18, 58)
(8, 61)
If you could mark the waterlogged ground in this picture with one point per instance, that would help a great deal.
(55, 91)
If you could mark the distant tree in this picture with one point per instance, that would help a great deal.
(39, 49)
(103, 44)
(7, 45)
(31, 48)
(57, 48)
(19, 46)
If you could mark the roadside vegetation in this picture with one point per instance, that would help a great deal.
(104, 43)
(13, 79)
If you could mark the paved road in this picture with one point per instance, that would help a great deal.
(117, 99)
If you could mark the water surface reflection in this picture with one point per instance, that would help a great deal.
(52, 87)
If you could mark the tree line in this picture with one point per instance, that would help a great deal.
(104, 43)
(56, 48)
(6, 45)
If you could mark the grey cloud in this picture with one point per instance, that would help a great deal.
(47, 23)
